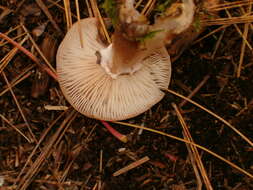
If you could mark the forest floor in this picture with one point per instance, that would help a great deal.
(46, 144)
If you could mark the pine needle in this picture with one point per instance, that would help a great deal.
(245, 36)
(79, 23)
(68, 14)
(188, 142)
(193, 149)
(213, 114)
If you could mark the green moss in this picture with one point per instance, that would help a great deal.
(161, 7)
(149, 35)
(110, 7)
(197, 24)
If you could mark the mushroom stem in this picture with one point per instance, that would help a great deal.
(126, 53)
(123, 56)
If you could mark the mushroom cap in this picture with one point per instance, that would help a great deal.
(92, 92)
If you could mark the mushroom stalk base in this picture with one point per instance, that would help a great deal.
(111, 67)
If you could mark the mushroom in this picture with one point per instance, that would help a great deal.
(96, 93)
(114, 82)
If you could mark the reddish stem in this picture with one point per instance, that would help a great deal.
(115, 133)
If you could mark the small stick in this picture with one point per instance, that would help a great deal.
(131, 166)
(55, 108)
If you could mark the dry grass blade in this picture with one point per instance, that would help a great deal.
(19, 47)
(79, 24)
(91, 14)
(22, 76)
(138, 4)
(30, 55)
(194, 166)
(9, 31)
(193, 149)
(148, 7)
(68, 14)
(15, 128)
(131, 166)
(38, 144)
(188, 142)
(7, 58)
(56, 3)
(97, 14)
(230, 5)
(239, 31)
(226, 21)
(244, 12)
(38, 49)
(245, 36)
(19, 108)
(15, 38)
(45, 153)
(213, 114)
